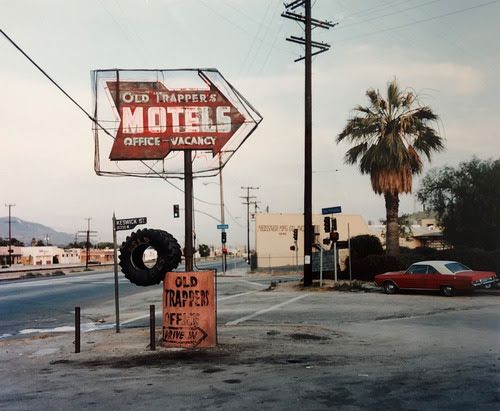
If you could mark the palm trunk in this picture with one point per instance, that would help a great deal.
(392, 233)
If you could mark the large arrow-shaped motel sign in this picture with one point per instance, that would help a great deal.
(155, 120)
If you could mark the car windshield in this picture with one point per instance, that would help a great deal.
(457, 267)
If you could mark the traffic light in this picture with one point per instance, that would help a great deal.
(326, 223)
(334, 224)
(334, 236)
(295, 234)
(176, 210)
(223, 237)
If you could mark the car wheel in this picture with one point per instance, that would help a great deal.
(448, 291)
(132, 251)
(390, 287)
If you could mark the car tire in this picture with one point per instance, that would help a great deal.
(132, 251)
(447, 291)
(390, 287)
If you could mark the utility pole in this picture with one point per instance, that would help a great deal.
(89, 233)
(10, 233)
(87, 244)
(247, 202)
(320, 47)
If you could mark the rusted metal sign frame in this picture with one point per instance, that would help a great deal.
(160, 168)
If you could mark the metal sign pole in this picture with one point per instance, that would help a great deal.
(115, 256)
(335, 259)
(349, 246)
(188, 205)
(321, 267)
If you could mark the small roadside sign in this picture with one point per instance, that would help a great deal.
(222, 226)
(129, 223)
(331, 210)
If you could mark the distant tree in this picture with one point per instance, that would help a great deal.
(204, 250)
(74, 244)
(40, 243)
(104, 245)
(467, 202)
(4, 242)
(388, 138)
(404, 223)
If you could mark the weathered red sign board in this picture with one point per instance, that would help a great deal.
(189, 317)
(155, 120)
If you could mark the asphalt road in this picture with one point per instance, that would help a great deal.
(48, 303)
(283, 348)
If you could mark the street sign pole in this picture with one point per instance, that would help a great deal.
(335, 259)
(188, 216)
(115, 255)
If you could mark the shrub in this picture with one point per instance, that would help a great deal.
(365, 245)
(368, 267)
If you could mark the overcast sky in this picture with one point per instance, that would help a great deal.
(446, 50)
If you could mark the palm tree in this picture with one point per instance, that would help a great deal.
(387, 139)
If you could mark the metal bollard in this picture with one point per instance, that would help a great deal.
(152, 328)
(77, 329)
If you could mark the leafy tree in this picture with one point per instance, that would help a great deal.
(388, 137)
(404, 222)
(364, 245)
(74, 244)
(14, 242)
(467, 202)
(204, 250)
(104, 245)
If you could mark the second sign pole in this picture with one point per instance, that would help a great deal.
(188, 205)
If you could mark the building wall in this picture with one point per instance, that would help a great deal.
(274, 236)
(41, 255)
(101, 256)
(15, 255)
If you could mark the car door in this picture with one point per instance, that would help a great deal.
(415, 277)
(434, 279)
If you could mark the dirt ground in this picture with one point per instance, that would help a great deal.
(443, 355)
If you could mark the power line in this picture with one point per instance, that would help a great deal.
(477, 6)
(86, 112)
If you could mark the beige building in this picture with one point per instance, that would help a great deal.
(274, 236)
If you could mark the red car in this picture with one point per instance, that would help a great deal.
(444, 276)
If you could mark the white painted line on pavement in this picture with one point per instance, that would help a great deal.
(265, 310)
(227, 297)
(252, 283)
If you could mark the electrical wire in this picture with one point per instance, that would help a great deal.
(94, 121)
(439, 16)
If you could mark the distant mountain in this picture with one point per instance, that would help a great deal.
(24, 231)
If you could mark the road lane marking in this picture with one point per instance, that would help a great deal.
(227, 297)
(252, 283)
(142, 317)
(265, 310)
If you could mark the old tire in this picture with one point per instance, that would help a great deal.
(448, 291)
(390, 287)
(132, 251)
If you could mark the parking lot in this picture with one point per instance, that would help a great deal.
(279, 348)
